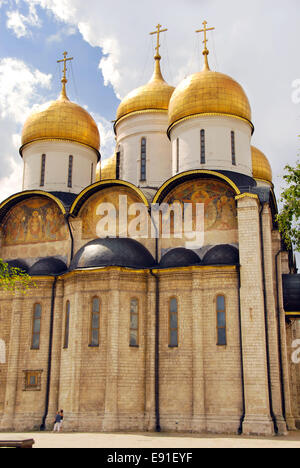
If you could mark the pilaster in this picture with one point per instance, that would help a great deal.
(281, 268)
(150, 356)
(59, 314)
(272, 320)
(257, 409)
(199, 417)
(110, 420)
(7, 423)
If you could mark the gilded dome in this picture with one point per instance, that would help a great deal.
(62, 120)
(108, 169)
(155, 95)
(260, 165)
(208, 92)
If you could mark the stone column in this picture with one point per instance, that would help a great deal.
(290, 420)
(199, 417)
(59, 315)
(7, 423)
(110, 420)
(272, 319)
(257, 409)
(75, 340)
(150, 356)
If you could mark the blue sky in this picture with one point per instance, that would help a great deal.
(256, 43)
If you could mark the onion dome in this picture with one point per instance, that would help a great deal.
(223, 254)
(208, 93)
(106, 169)
(48, 266)
(260, 166)
(154, 96)
(18, 263)
(122, 252)
(62, 120)
(179, 257)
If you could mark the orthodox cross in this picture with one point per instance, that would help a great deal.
(205, 29)
(65, 60)
(158, 32)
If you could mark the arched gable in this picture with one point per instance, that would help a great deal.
(98, 186)
(32, 218)
(119, 195)
(190, 175)
(210, 195)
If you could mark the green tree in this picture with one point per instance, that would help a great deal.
(289, 216)
(12, 278)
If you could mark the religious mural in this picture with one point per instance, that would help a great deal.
(34, 221)
(220, 212)
(113, 196)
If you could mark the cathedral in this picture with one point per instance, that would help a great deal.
(165, 329)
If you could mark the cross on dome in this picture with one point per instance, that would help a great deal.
(64, 78)
(205, 51)
(158, 32)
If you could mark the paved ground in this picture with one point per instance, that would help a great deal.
(151, 440)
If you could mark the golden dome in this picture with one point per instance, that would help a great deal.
(108, 169)
(155, 95)
(62, 120)
(261, 166)
(211, 93)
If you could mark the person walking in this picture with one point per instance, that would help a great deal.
(57, 422)
(62, 417)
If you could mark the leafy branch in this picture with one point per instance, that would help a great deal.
(289, 217)
(12, 278)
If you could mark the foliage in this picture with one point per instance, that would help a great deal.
(12, 278)
(289, 216)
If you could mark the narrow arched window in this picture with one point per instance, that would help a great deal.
(43, 169)
(202, 146)
(233, 156)
(92, 173)
(95, 322)
(67, 325)
(173, 323)
(221, 321)
(36, 326)
(70, 171)
(177, 155)
(118, 163)
(134, 322)
(143, 158)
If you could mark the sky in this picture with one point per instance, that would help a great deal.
(256, 43)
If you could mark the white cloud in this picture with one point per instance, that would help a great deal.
(245, 45)
(21, 24)
(60, 35)
(21, 89)
(106, 134)
(12, 183)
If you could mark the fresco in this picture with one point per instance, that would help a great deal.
(109, 195)
(220, 212)
(34, 221)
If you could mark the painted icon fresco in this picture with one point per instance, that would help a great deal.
(34, 221)
(220, 212)
(113, 196)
